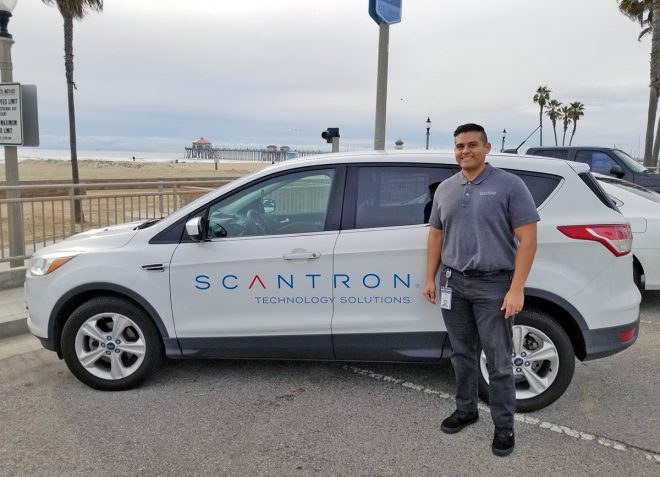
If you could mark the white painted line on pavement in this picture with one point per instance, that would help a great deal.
(585, 436)
(649, 322)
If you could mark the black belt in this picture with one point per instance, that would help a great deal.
(480, 273)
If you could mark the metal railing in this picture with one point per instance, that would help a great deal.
(48, 211)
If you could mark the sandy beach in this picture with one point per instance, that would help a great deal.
(51, 169)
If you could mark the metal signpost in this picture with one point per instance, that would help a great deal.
(11, 125)
(385, 13)
(19, 126)
(14, 212)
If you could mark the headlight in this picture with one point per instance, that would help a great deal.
(49, 263)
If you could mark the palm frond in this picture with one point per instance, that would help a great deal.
(76, 9)
(542, 95)
(554, 110)
(576, 110)
(635, 9)
(644, 32)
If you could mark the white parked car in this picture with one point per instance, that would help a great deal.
(325, 258)
(641, 207)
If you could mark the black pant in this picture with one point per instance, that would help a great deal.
(475, 317)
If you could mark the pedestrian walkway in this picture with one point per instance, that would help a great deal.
(13, 315)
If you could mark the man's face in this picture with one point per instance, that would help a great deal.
(470, 150)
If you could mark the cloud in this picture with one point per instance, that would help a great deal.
(278, 72)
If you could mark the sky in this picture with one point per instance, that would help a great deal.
(153, 75)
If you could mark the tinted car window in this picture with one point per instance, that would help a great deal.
(399, 195)
(595, 187)
(287, 204)
(632, 164)
(539, 185)
(556, 153)
(598, 161)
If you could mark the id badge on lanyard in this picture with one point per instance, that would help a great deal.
(445, 292)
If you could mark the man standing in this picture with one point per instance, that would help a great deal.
(478, 215)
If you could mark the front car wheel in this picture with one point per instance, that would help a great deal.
(109, 343)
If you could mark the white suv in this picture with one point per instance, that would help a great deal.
(325, 258)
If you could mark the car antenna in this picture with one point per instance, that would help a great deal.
(520, 145)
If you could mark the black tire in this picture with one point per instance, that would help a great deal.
(637, 276)
(564, 365)
(140, 332)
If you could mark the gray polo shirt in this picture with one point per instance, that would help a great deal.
(478, 217)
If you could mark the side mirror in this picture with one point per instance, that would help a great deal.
(268, 206)
(195, 229)
(617, 171)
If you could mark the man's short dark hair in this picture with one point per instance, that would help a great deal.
(471, 127)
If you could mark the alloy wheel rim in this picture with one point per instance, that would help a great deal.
(110, 346)
(535, 362)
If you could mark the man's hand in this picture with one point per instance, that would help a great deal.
(429, 292)
(515, 297)
(513, 303)
(434, 247)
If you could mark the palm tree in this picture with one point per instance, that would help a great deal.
(576, 111)
(73, 10)
(554, 113)
(565, 112)
(541, 97)
(644, 11)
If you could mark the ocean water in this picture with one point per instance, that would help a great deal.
(37, 153)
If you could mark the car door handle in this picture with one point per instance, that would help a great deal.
(301, 255)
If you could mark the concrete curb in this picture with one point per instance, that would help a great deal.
(13, 328)
(13, 278)
(13, 318)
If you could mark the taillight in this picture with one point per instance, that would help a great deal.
(626, 335)
(617, 238)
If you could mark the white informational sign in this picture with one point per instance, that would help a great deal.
(11, 124)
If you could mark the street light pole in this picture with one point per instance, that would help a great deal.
(503, 139)
(14, 212)
(428, 131)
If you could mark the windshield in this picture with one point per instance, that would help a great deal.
(632, 164)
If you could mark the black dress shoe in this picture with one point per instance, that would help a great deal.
(503, 441)
(457, 421)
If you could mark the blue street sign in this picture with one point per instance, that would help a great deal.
(386, 11)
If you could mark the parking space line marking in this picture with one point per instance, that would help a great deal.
(648, 322)
(574, 433)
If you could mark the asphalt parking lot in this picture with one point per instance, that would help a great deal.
(281, 418)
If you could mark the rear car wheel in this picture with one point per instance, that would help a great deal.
(637, 276)
(111, 344)
(543, 361)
